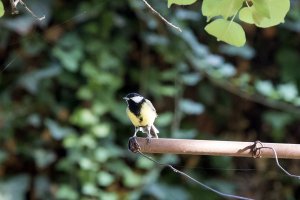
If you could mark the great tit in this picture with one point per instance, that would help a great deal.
(142, 114)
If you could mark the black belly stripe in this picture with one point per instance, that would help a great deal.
(141, 119)
(135, 108)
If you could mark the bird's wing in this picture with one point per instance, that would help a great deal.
(150, 105)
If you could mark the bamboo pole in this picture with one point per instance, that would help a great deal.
(216, 148)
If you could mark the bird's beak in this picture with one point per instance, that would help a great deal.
(126, 98)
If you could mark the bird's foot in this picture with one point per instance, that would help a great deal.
(148, 139)
(133, 145)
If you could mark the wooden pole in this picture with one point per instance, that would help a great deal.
(217, 148)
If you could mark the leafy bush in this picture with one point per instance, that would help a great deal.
(63, 126)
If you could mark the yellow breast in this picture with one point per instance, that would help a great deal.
(147, 116)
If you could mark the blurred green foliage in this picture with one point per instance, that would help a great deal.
(63, 126)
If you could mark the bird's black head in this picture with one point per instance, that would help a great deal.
(134, 98)
(130, 95)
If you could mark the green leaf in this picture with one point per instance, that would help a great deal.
(84, 117)
(70, 59)
(101, 154)
(69, 51)
(168, 90)
(131, 179)
(1, 9)
(85, 93)
(43, 158)
(15, 187)
(164, 119)
(180, 2)
(3, 156)
(262, 7)
(144, 163)
(267, 14)
(225, 8)
(66, 192)
(210, 8)
(191, 79)
(229, 8)
(87, 164)
(101, 130)
(87, 141)
(227, 31)
(32, 80)
(57, 131)
(288, 91)
(288, 60)
(104, 178)
(278, 121)
(191, 107)
(246, 52)
(265, 87)
(108, 196)
(90, 189)
(71, 141)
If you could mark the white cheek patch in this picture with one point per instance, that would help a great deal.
(137, 99)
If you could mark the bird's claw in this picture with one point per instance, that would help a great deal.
(133, 145)
(148, 139)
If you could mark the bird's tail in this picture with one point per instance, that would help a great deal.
(154, 131)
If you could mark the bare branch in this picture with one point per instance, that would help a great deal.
(6, 66)
(276, 104)
(217, 148)
(14, 9)
(277, 162)
(32, 13)
(161, 17)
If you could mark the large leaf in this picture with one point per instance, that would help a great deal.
(227, 31)
(210, 8)
(267, 14)
(225, 8)
(229, 8)
(1, 9)
(262, 6)
(181, 2)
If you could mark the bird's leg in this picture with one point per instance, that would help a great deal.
(136, 130)
(154, 131)
(148, 134)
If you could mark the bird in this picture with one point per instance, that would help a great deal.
(142, 114)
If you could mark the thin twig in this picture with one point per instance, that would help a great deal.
(32, 13)
(277, 162)
(14, 9)
(191, 178)
(134, 147)
(161, 17)
(247, 4)
(8, 65)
